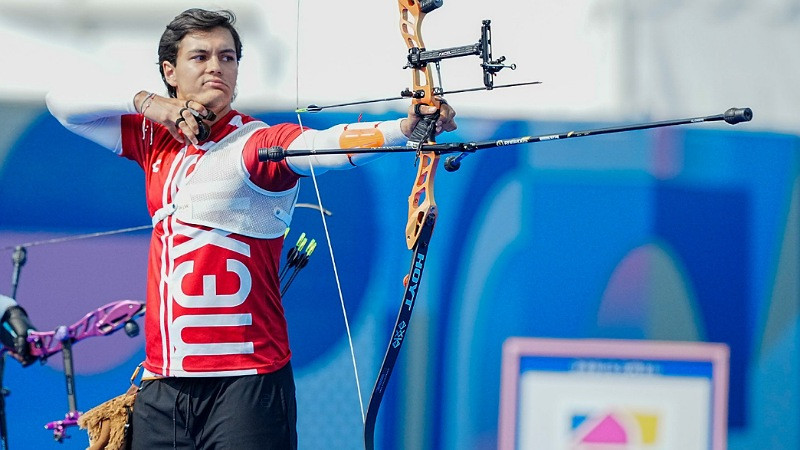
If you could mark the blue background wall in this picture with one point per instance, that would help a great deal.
(675, 234)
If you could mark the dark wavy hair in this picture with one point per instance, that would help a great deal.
(189, 21)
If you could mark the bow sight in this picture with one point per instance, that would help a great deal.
(419, 58)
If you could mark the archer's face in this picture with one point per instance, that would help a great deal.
(205, 69)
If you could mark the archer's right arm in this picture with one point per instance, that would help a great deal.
(92, 114)
(95, 114)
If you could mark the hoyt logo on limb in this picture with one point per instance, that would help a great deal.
(419, 265)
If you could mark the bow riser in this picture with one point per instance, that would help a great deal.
(104, 321)
(411, 17)
(421, 202)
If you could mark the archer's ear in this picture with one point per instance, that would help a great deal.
(169, 73)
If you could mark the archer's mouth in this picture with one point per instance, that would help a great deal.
(216, 84)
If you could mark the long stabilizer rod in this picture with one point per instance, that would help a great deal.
(731, 116)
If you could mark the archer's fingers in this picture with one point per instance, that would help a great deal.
(446, 126)
(175, 134)
(426, 109)
(187, 125)
(446, 120)
(198, 107)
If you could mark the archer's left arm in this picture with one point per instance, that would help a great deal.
(362, 135)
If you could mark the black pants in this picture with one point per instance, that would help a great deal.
(253, 412)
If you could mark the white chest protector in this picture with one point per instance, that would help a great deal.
(220, 194)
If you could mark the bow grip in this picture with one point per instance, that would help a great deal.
(427, 6)
(425, 128)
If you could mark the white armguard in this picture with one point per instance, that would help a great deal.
(92, 114)
(330, 138)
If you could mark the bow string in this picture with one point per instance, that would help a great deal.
(324, 221)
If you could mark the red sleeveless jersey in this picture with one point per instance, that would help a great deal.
(213, 297)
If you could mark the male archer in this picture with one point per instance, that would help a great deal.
(218, 372)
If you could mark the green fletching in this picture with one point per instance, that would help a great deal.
(311, 246)
(301, 242)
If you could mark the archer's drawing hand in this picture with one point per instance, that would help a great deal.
(176, 115)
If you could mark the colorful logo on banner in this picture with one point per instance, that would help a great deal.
(615, 430)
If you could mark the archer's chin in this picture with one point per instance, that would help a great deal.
(216, 99)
